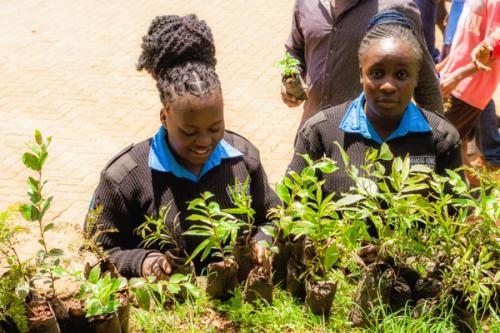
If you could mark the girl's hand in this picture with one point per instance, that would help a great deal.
(260, 253)
(156, 264)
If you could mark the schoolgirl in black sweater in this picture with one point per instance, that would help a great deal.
(389, 58)
(191, 153)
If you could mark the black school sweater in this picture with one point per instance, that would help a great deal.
(129, 190)
(438, 149)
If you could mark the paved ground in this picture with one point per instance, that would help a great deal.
(68, 69)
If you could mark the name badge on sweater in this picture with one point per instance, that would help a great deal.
(427, 160)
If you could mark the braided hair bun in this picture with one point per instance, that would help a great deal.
(179, 53)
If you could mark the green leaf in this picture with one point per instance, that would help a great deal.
(345, 157)
(282, 192)
(268, 230)
(46, 206)
(142, 298)
(326, 166)
(94, 274)
(332, 255)
(385, 153)
(31, 161)
(48, 227)
(349, 200)
(198, 249)
(56, 252)
(178, 278)
(174, 289)
(38, 137)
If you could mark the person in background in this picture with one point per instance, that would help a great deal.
(428, 11)
(191, 153)
(325, 37)
(470, 74)
(389, 57)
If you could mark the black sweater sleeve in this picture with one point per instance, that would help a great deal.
(114, 225)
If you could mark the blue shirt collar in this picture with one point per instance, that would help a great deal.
(356, 121)
(161, 157)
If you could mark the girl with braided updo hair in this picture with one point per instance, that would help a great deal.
(191, 153)
(389, 57)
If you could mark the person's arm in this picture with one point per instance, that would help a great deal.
(113, 229)
(295, 46)
(481, 57)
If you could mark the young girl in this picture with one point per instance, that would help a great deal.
(389, 58)
(191, 153)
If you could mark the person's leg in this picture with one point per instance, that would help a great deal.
(489, 134)
(463, 116)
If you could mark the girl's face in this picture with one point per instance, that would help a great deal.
(389, 71)
(194, 127)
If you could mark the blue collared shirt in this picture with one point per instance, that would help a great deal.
(355, 121)
(161, 157)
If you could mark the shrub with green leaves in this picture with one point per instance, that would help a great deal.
(47, 259)
(156, 230)
(218, 228)
(101, 294)
(152, 294)
(14, 288)
(306, 211)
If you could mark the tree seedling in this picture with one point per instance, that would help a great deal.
(47, 259)
(290, 76)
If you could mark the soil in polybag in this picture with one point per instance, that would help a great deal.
(294, 282)
(41, 318)
(222, 278)
(320, 295)
(259, 285)
(244, 256)
(294, 87)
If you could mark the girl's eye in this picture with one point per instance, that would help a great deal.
(188, 134)
(215, 130)
(402, 75)
(376, 74)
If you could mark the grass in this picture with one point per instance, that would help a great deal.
(289, 315)
(285, 315)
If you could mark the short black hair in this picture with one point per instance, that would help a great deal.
(179, 53)
(391, 24)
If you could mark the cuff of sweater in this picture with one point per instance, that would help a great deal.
(129, 262)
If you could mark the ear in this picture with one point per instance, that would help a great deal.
(360, 75)
(163, 116)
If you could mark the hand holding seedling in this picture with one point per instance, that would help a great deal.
(293, 88)
(290, 100)
(156, 264)
(260, 253)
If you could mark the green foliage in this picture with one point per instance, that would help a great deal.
(9, 233)
(47, 260)
(435, 224)
(152, 294)
(284, 315)
(240, 194)
(437, 319)
(14, 288)
(288, 65)
(101, 294)
(216, 225)
(306, 211)
(157, 231)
